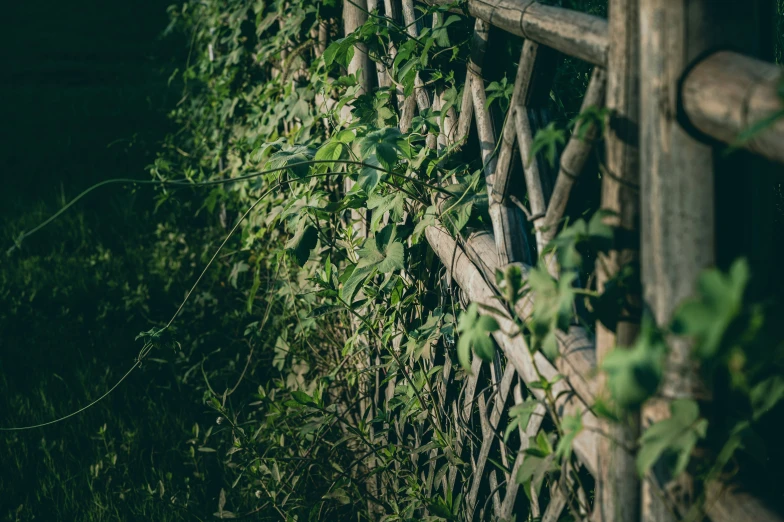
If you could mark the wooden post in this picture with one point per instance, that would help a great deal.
(618, 489)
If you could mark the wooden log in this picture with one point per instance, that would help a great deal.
(727, 93)
(573, 158)
(617, 483)
(576, 362)
(528, 366)
(726, 504)
(355, 15)
(507, 222)
(573, 33)
(677, 212)
(384, 80)
(531, 91)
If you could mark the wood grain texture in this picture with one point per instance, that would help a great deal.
(617, 483)
(573, 33)
(727, 93)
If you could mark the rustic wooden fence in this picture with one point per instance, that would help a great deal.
(674, 91)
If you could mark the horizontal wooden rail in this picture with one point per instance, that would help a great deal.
(574, 33)
(728, 93)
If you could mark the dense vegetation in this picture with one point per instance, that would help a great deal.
(257, 397)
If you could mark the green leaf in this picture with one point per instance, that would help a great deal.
(475, 333)
(332, 150)
(547, 139)
(634, 374)
(381, 144)
(708, 316)
(295, 159)
(765, 395)
(552, 310)
(383, 251)
(369, 176)
(571, 425)
(673, 439)
(303, 242)
(356, 278)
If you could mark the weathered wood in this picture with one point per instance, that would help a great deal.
(532, 69)
(506, 219)
(355, 15)
(617, 484)
(677, 212)
(421, 96)
(727, 93)
(489, 427)
(573, 158)
(526, 432)
(574, 33)
(528, 366)
(384, 80)
(576, 362)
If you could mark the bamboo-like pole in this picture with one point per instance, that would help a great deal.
(506, 219)
(528, 366)
(573, 158)
(617, 484)
(576, 363)
(727, 93)
(534, 69)
(381, 72)
(420, 93)
(574, 33)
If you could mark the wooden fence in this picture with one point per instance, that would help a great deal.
(674, 90)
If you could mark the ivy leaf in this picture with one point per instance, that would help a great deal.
(370, 175)
(765, 395)
(332, 150)
(340, 51)
(383, 251)
(539, 460)
(475, 333)
(428, 219)
(511, 282)
(440, 34)
(382, 144)
(294, 159)
(708, 316)
(303, 242)
(356, 277)
(380, 205)
(501, 91)
(547, 139)
(672, 439)
(552, 308)
(634, 374)
(572, 425)
(519, 415)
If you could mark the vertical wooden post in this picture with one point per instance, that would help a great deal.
(678, 187)
(354, 15)
(618, 490)
(677, 180)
